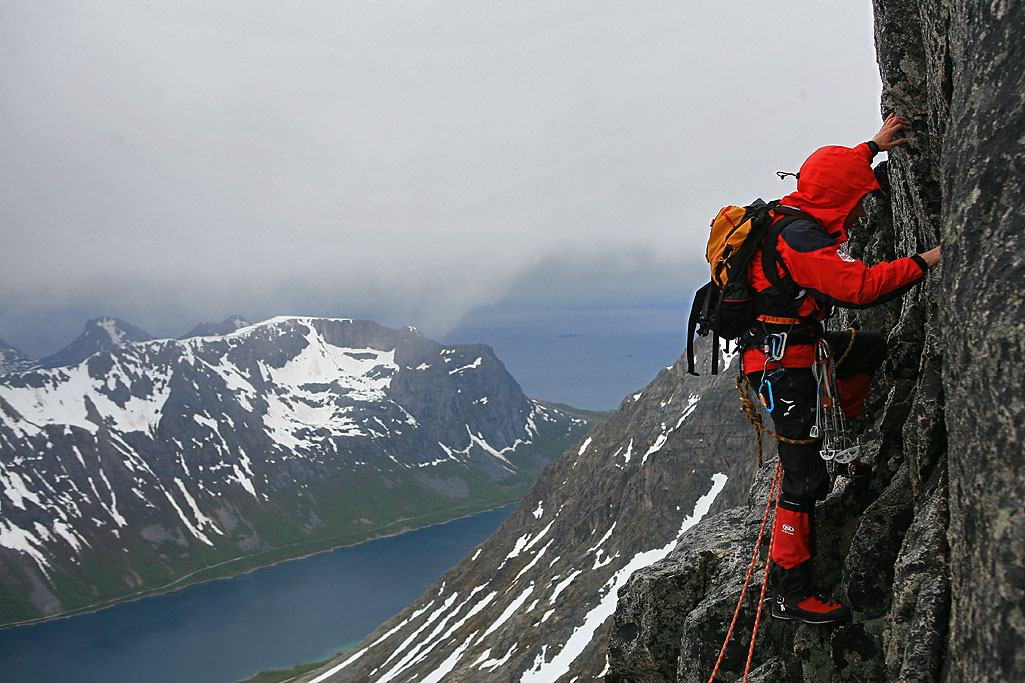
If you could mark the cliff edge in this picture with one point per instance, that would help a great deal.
(929, 553)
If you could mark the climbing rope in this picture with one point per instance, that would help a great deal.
(777, 479)
(765, 582)
(849, 347)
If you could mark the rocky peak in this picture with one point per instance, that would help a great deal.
(100, 334)
(13, 360)
(226, 326)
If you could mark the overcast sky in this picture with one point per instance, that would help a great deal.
(175, 162)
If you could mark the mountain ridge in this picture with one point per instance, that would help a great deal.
(194, 453)
(14, 360)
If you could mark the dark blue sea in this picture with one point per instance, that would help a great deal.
(223, 631)
(587, 358)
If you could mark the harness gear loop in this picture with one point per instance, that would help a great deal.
(830, 420)
(777, 320)
(774, 492)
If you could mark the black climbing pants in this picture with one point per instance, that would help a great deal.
(805, 477)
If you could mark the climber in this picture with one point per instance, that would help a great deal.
(831, 185)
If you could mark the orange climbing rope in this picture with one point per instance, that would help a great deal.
(761, 598)
(777, 478)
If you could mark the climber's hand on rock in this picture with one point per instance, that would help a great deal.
(931, 257)
(891, 126)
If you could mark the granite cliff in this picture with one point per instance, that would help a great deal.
(929, 554)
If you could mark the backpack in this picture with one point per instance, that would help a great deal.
(726, 305)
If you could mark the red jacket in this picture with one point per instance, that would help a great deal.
(831, 183)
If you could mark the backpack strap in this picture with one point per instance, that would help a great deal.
(698, 313)
(770, 255)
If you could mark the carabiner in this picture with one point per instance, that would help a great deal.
(769, 403)
(774, 346)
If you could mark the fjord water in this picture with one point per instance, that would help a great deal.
(223, 631)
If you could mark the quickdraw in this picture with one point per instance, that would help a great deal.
(830, 421)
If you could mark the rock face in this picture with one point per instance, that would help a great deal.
(929, 554)
(534, 602)
(293, 435)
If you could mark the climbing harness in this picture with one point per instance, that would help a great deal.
(777, 485)
(830, 421)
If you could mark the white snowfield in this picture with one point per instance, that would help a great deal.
(308, 400)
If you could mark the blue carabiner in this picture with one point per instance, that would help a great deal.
(771, 403)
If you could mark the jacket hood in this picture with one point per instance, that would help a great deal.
(831, 182)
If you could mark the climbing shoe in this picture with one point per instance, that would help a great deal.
(810, 610)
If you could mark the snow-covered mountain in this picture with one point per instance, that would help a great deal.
(13, 360)
(144, 464)
(100, 334)
(535, 601)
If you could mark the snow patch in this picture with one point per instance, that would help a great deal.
(543, 671)
(584, 446)
(692, 404)
(656, 447)
(472, 366)
(509, 611)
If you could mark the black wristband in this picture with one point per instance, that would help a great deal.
(873, 146)
(921, 262)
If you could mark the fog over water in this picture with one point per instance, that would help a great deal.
(172, 163)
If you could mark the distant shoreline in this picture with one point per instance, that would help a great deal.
(178, 585)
